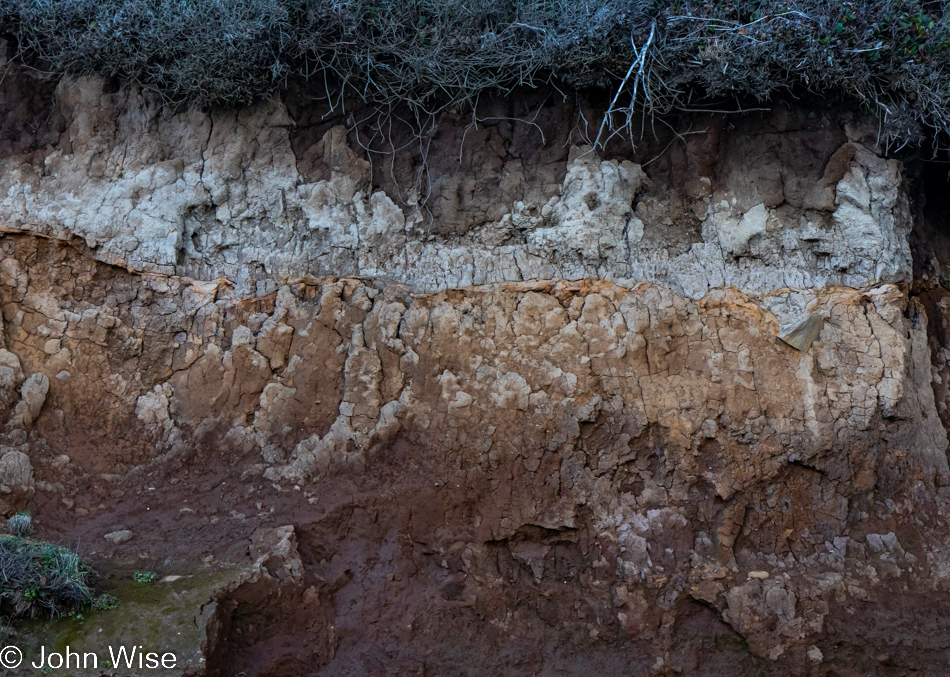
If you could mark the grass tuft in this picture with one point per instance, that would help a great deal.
(42, 577)
(20, 524)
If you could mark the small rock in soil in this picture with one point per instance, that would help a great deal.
(118, 537)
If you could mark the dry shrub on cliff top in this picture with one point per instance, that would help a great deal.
(894, 55)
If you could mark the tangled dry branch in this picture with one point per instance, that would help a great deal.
(893, 55)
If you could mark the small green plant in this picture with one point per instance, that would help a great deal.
(104, 603)
(145, 577)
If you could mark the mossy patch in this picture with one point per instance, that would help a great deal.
(164, 617)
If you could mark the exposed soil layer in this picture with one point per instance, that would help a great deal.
(441, 545)
(599, 459)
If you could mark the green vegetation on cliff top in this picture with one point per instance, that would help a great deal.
(38, 577)
(892, 55)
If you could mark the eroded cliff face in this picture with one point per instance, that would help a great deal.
(532, 419)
